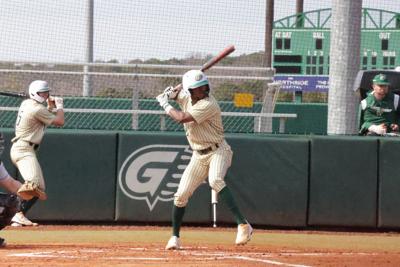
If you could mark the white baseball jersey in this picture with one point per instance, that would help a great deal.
(206, 132)
(207, 129)
(31, 122)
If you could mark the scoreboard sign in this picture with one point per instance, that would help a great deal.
(304, 83)
(301, 52)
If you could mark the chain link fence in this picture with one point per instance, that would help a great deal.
(123, 95)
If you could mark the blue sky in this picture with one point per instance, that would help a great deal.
(49, 30)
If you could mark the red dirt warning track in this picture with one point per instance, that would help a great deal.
(144, 246)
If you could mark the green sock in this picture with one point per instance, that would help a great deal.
(226, 196)
(177, 216)
(27, 204)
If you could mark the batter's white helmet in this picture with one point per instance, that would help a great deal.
(193, 79)
(36, 87)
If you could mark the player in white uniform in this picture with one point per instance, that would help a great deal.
(212, 156)
(33, 117)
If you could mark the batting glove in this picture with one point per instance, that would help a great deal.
(170, 92)
(163, 100)
(59, 102)
(51, 104)
(378, 129)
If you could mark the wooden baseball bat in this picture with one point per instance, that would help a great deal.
(14, 94)
(225, 52)
(217, 58)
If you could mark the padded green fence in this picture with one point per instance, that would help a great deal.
(269, 178)
(343, 181)
(389, 183)
(282, 181)
(79, 171)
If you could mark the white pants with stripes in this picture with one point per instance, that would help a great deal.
(24, 157)
(213, 165)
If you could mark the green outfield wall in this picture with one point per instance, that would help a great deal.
(290, 181)
(343, 181)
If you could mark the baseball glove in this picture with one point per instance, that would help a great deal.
(29, 190)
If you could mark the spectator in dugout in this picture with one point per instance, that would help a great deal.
(380, 111)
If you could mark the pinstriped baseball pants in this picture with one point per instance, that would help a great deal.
(24, 157)
(214, 165)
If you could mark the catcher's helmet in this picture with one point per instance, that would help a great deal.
(193, 79)
(36, 87)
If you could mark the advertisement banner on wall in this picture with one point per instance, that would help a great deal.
(150, 167)
(149, 171)
(303, 83)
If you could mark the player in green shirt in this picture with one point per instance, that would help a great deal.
(380, 111)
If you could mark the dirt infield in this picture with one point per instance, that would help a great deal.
(144, 246)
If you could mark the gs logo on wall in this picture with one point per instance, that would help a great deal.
(153, 172)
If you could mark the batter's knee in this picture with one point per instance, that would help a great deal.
(181, 200)
(217, 184)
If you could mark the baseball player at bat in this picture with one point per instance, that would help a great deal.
(32, 119)
(201, 116)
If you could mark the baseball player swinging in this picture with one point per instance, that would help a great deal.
(33, 117)
(212, 156)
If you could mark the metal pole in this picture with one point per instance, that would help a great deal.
(344, 65)
(298, 95)
(263, 124)
(214, 202)
(397, 21)
(135, 101)
(87, 88)
(299, 11)
(269, 24)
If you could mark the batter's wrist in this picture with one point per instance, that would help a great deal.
(168, 108)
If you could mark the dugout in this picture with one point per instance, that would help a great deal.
(363, 84)
(363, 81)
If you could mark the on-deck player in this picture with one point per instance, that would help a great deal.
(212, 156)
(33, 117)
